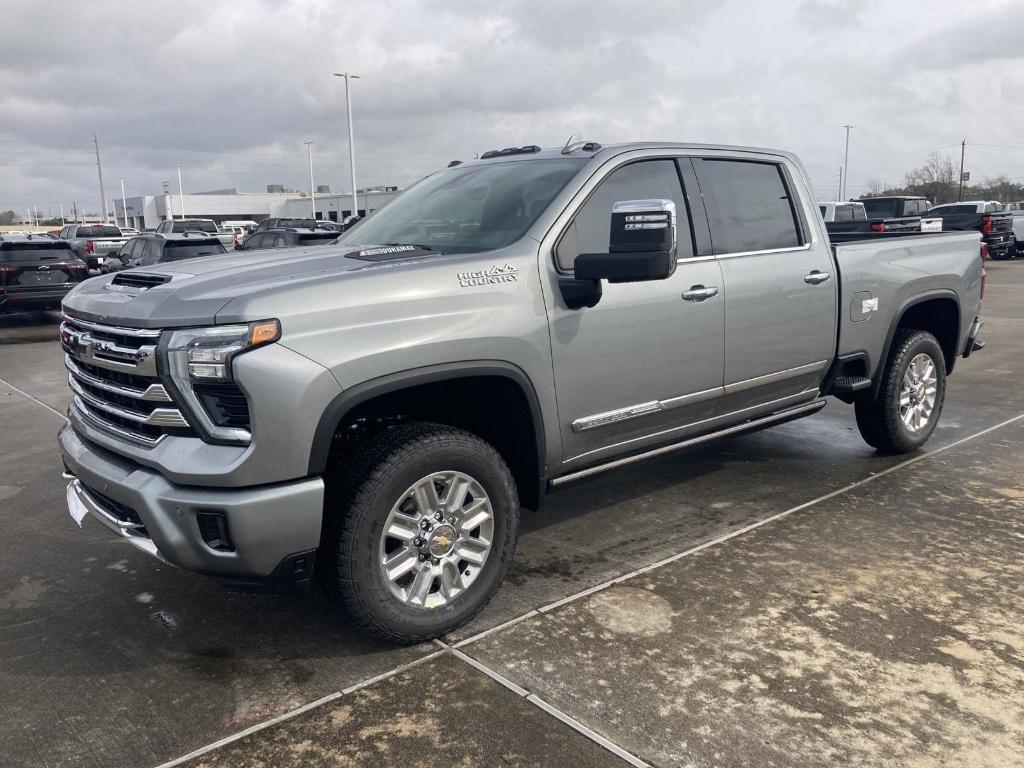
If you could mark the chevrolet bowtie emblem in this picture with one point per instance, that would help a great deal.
(442, 541)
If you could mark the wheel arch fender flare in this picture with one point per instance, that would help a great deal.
(907, 304)
(394, 382)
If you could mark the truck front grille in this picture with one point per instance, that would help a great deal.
(113, 377)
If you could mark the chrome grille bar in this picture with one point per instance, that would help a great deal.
(115, 330)
(160, 417)
(153, 393)
(79, 406)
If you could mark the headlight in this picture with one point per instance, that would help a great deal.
(197, 357)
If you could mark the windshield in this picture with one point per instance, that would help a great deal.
(98, 231)
(468, 209)
(176, 250)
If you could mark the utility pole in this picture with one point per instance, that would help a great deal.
(351, 139)
(62, 215)
(124, 204)
(181, 194)
(839, 190)
(960, 192)
(846, 162)
(74, 209)
(312, 189)
(99, 171)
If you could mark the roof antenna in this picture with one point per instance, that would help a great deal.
(569, 140)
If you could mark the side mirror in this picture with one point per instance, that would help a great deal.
(112, 265)
(349, 222)
(641, 246)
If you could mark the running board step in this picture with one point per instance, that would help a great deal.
(842, 385)
(748, 426)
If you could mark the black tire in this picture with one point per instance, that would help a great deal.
(372, 480)
(879, 420)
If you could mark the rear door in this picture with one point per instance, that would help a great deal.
(780, 282)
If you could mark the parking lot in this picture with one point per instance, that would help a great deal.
(783, 598)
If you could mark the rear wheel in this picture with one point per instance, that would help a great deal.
(910, 400)
(420, 528)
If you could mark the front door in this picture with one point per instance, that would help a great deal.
(781, 286)
(645, 361)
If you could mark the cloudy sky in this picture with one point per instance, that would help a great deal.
(230, 89)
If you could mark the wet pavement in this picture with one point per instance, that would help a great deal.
(882, 626)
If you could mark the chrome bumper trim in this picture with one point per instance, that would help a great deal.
(80, 503)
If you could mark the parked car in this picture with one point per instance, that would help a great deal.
(985, 216)
(383, 407)
(130, 231)
(901, 213)
(163, 247)
(1018, 231)
(840, 217)
(93, 243)
(247, 224)
(207, 226)
(36, 272)
(286, 238)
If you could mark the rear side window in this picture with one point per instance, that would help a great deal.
(46, 251)
(318, 239)
(590, 230)
(844, 213)
(752, 208)
(98, 231)
(946, 210)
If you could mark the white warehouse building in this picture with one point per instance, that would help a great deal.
(147, 211)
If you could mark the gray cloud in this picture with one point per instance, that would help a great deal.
(231, 89)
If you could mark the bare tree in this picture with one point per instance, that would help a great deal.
(934, 179)
(875, 187)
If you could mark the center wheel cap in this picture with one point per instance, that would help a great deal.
(442, 541)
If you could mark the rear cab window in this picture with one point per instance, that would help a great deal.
(751, 207)
(98, 230)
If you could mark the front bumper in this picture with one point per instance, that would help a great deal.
(274, 529)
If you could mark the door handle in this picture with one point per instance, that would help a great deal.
(816, 278)
(700, 293)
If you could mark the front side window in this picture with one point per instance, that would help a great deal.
(468, 208)
(590, 229)
(753, 210)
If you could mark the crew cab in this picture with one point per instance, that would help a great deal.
(228, 238)
(985, 216)
(93, 243)
(36, 272)
(377, 411)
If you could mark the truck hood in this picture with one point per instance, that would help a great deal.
(195, 290)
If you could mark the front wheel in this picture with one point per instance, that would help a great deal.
(419, 529)
(909, 402)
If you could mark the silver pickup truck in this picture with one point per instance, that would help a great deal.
(379, 410)
(93, 243)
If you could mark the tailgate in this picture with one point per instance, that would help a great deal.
(106, 247)
(1002, 222)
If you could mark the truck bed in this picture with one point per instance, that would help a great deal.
(880, 273)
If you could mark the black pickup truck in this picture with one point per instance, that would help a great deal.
(987, 217)
(898, 213)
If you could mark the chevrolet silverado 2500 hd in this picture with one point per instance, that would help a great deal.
(380, 409)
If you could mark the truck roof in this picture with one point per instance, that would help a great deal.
(595, 150)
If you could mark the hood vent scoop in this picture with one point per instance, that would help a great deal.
(136, 281)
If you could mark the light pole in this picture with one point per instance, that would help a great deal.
(99, 171)
(960, 191)
(124, 204)
(312, 189)
(351, 139)
(62, 214)
(181, 194)
(846, 162)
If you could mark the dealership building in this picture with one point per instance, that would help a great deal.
(147, 211)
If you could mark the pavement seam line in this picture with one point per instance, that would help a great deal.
(739, 532)
(36, 400)
(538, 702)
(392, 672)
(251, 730)
(594, 736)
